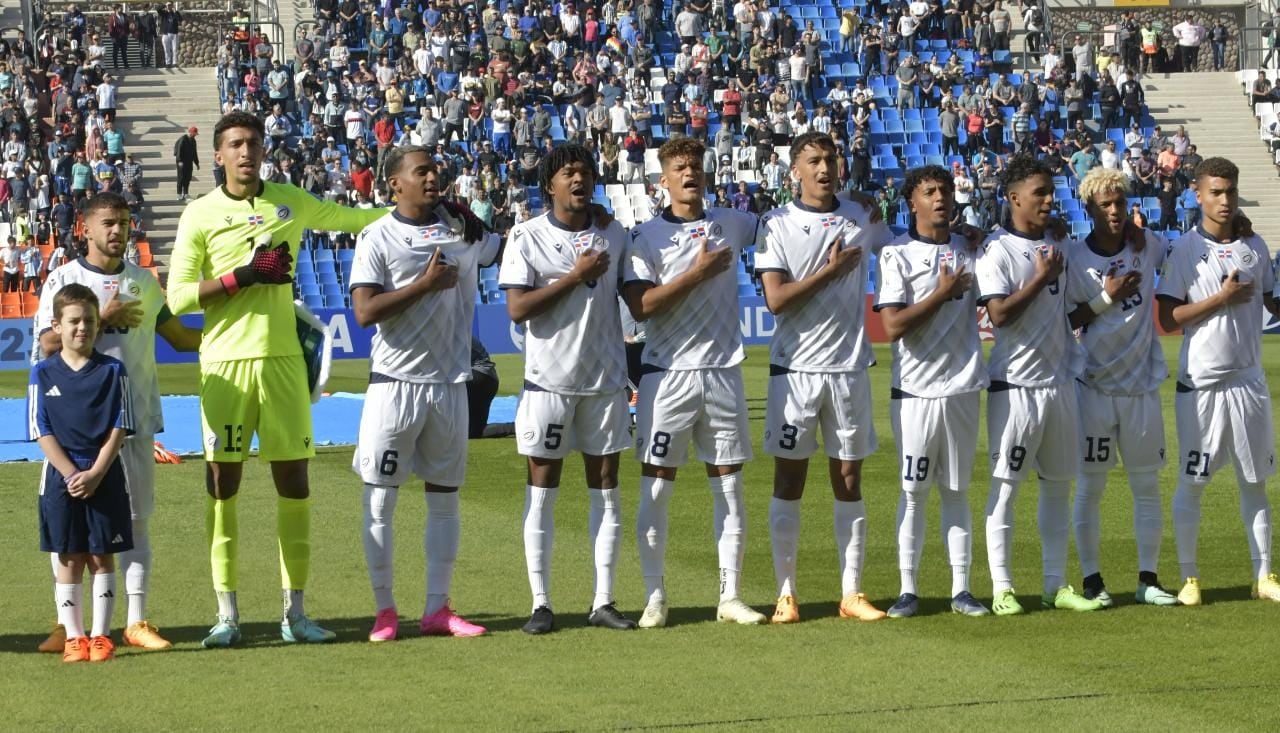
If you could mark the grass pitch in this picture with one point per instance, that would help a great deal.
(1209, 668)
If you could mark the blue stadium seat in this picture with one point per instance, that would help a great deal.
(313, 301)
(334, 301)
(328, 278)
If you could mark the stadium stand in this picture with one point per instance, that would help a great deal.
(490, 87)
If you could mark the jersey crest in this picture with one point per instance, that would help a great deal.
(256, 219)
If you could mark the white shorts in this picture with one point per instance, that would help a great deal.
(138, 458)
(1130, 425)
(1033, 427)
(409, 428)
(801, 402)
(549, 425)
(937, 440)
(707, 405)
(1225, 421)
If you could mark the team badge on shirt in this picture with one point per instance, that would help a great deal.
(698, 232)
(830, 221)
(1118, 265)
(583, 241)
(256, 219)
(1224, 254)
(283, 212)
(947, 259)
(434, 233)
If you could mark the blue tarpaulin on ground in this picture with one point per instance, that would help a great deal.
(336, 420)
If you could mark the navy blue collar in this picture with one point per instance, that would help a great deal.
(1201, 231)
(83, 262)
(431, 219)
(1092, 243)
(917, 236)
(1024, 235)
(553, 221)
(835, 204)
(667, 215)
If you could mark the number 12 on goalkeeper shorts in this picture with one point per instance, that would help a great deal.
(233, 436)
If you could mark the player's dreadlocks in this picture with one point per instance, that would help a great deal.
(562, 156)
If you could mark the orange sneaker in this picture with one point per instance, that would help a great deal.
(143, 634)
(786, 612)
(56, 642)
(76, 649)
(101, 649)
(856, 605)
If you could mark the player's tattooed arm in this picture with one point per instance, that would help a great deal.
(646, 300)
(1116, 290)
(373, 305)
(1006, 310)
(525, 303)
(901, 320)
(1175, 314)
(781, 293)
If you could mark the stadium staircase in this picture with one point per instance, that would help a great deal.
(293, 12)
(156, 106)
(1218, 120)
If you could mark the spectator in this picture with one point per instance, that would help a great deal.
(118, 27)
(170, 29)
(144, 32)
(32, 265)
(11, 260)
(1190, 34)
(186, 155)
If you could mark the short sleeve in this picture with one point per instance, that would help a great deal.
(894, 290)
(639, 264)
(1268, 275)
(516, 270)
(770, 256)
(38, 424)
(490, 250)
(1175, 283)
(44, 312)
(880, 235)
(1159, 247)
(368, 268)
(993, 277)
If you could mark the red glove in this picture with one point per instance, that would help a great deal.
(473, 229)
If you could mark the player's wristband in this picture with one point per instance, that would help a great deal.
(229, 283)
(1100, 304)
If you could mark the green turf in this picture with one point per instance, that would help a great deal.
(1130, 668)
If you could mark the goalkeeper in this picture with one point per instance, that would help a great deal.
(252, 374)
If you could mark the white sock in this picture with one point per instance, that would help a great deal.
(227, 606)
(440, 539)
(135, 566)
(1053, 515)
(104, 603)
(69, 598)
(956, 536)
(1148, 518)
(294, 605)
(730, 528)
(784, 532)
(911, 527)
(851, 532)
(651, 534)
(1255, 511)
(604, 523)
(1186, 524)
(1087, 517)
(379, 541)
(539, 538)
(1000, 533)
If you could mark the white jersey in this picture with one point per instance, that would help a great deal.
(943, 355)
(576, 346)
(702, 330)
(1227, 344)
(828, 332)
(1122, 355)
(1037, 349)
(135, 346)
(430, 341)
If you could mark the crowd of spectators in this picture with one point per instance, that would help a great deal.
(62, 142)
(492, 87)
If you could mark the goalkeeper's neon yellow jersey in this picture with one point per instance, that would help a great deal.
(217, 233)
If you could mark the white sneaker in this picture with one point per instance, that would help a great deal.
(734, 611)
(654, 616)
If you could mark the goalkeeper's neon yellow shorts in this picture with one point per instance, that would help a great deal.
(266, 396)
